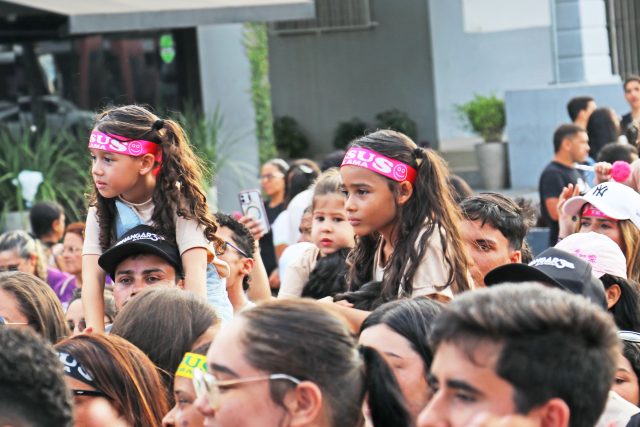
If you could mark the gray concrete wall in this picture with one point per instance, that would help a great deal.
(226, 83)
(323, 79)
(482, 62)
(534, 114)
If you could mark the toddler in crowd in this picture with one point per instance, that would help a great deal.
(330, 232)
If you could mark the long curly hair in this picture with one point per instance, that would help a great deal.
(431, 208)
(178, 188)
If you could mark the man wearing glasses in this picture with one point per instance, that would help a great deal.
(141, 258)
(239, 251)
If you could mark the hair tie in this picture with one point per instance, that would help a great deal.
(418, 153)
(158, 124)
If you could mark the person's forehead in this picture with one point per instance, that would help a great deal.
(225, 233)
(467, 360)
(9, 256)
(141, 262)
(476, 229)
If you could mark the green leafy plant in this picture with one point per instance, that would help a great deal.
(290, 139)
(211, 142)
(485, 116)
(347, 131)
(257, 51)
(61, 157)
(397, 120)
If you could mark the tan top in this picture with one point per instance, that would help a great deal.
(298, 272)
(189, 233)
(432, 272)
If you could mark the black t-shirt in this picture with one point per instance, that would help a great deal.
(625, 122)
(554, 178)
(267, 251)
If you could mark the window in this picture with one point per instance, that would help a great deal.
(331, 15)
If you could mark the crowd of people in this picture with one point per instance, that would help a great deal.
(382, 293)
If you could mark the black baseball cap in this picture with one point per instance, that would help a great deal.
(556, 268)
(140, 240)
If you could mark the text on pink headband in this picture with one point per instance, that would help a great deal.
(382, 165)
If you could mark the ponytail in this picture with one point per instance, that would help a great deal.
(384, 397)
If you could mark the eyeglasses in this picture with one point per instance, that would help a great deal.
(3, 322)
(270, 176)
(629, 336)
(223, 248)
(88, 393)
(208, 386)
(70, 250)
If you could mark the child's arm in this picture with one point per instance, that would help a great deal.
(354, 317)
(93, 278)
(194, 265)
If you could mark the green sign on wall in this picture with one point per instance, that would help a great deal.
(167, 48)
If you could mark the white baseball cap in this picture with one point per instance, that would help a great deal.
(613, 199)
(604, 255)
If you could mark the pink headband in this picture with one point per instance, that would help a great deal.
(382, 165)
(593, 212)
(121, 145)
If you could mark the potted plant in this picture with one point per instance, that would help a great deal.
(485, 116)
(62, 161)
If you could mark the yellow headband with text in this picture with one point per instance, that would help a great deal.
(191, 361)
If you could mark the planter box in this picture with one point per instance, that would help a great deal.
(15, 221)
(492, 163)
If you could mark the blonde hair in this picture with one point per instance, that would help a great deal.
(329, 182)
(25, 246)
(630, 236)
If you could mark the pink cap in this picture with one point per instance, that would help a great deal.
(604, 255)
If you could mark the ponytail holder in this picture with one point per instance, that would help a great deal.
(418, 153)
(158, 124)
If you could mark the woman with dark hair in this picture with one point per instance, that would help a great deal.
(107, 366)
(293, 362)
(272, 181)
(399, 330)
(603, 128)
(165, 323)
(628, 370)
(28, 301)
(299, 181)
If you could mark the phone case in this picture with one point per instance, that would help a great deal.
(252, 205)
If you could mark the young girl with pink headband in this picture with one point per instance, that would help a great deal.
(145, 172)
(405, 220)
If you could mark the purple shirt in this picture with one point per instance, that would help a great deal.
(63, 284)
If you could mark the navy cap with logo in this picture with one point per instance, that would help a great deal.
(556, 268)
(140, 240)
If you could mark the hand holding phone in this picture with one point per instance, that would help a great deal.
(252, 205)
